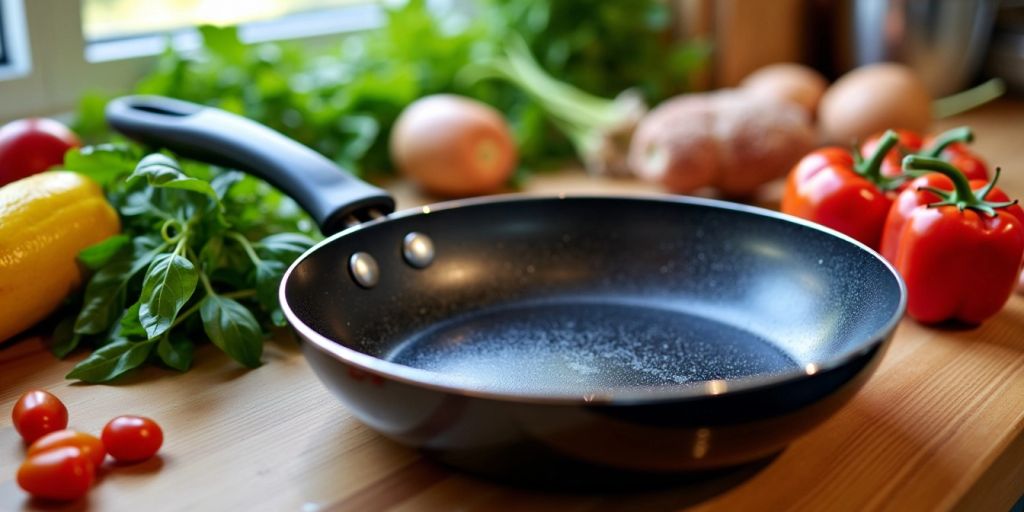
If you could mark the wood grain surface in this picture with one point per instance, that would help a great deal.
(940, 426)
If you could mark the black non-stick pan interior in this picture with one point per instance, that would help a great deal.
(558, 297)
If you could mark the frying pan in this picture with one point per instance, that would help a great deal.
(518, 335)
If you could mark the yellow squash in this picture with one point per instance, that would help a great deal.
(45, 220)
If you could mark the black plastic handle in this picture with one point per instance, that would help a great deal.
(329, 194)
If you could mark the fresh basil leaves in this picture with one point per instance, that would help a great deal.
(169, 284)
(200, 258)
(112, 360)
(233, 329)
(161, 171)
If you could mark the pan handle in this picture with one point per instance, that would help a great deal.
(329, 194)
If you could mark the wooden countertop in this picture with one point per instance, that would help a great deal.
(939, 426)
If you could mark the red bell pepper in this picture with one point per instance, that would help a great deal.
(909, 142)
(918, 193)
(957, 154)
(958, 248)
(839, 189)
(948, 146)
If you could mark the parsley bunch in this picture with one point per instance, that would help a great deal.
(201, 256)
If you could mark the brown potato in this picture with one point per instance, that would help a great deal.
(673, 145)
(872, 99)
(729, 140)
(787, 81)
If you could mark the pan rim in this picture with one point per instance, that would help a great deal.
(633, 396)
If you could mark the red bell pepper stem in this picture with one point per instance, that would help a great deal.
(962, 196)
(983, 191)
(871, 169)
(961, 134)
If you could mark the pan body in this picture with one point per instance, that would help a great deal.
(638, 334)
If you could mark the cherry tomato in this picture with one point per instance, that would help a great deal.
(38, 413)
(90, 445)
(132, 438)
(64, 473)
(31, 146)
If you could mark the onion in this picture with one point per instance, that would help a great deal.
(453, 146)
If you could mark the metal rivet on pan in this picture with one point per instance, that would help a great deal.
(418, 249)
(364, 269)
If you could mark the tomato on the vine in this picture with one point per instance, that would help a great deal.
(64, 473)
(38, 413)
(132, 438)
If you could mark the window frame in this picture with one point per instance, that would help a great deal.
(57, 65)
(3, 36)
(14, 62)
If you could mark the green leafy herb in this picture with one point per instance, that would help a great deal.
(160, 171)
(284, 245)
(130, 324)
(103, 163)
(104, 295)
(201, 256)
(175, 352)
(268, 277)
(99, 255)
(233, 329)
(112, 361)
(169, 284)
(64, 338)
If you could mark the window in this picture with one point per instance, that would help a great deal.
(53, 51)
(113, 19)
(3, 54)
(12, 62)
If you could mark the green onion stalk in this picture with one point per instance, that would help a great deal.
(600, 129)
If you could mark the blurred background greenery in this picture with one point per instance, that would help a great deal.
(342, 99)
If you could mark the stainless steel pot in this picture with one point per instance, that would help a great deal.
(943, 40)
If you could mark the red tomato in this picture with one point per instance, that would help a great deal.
(38, 413)
(90, 445)
(132, 438)
(64, 473)
(31, 146)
